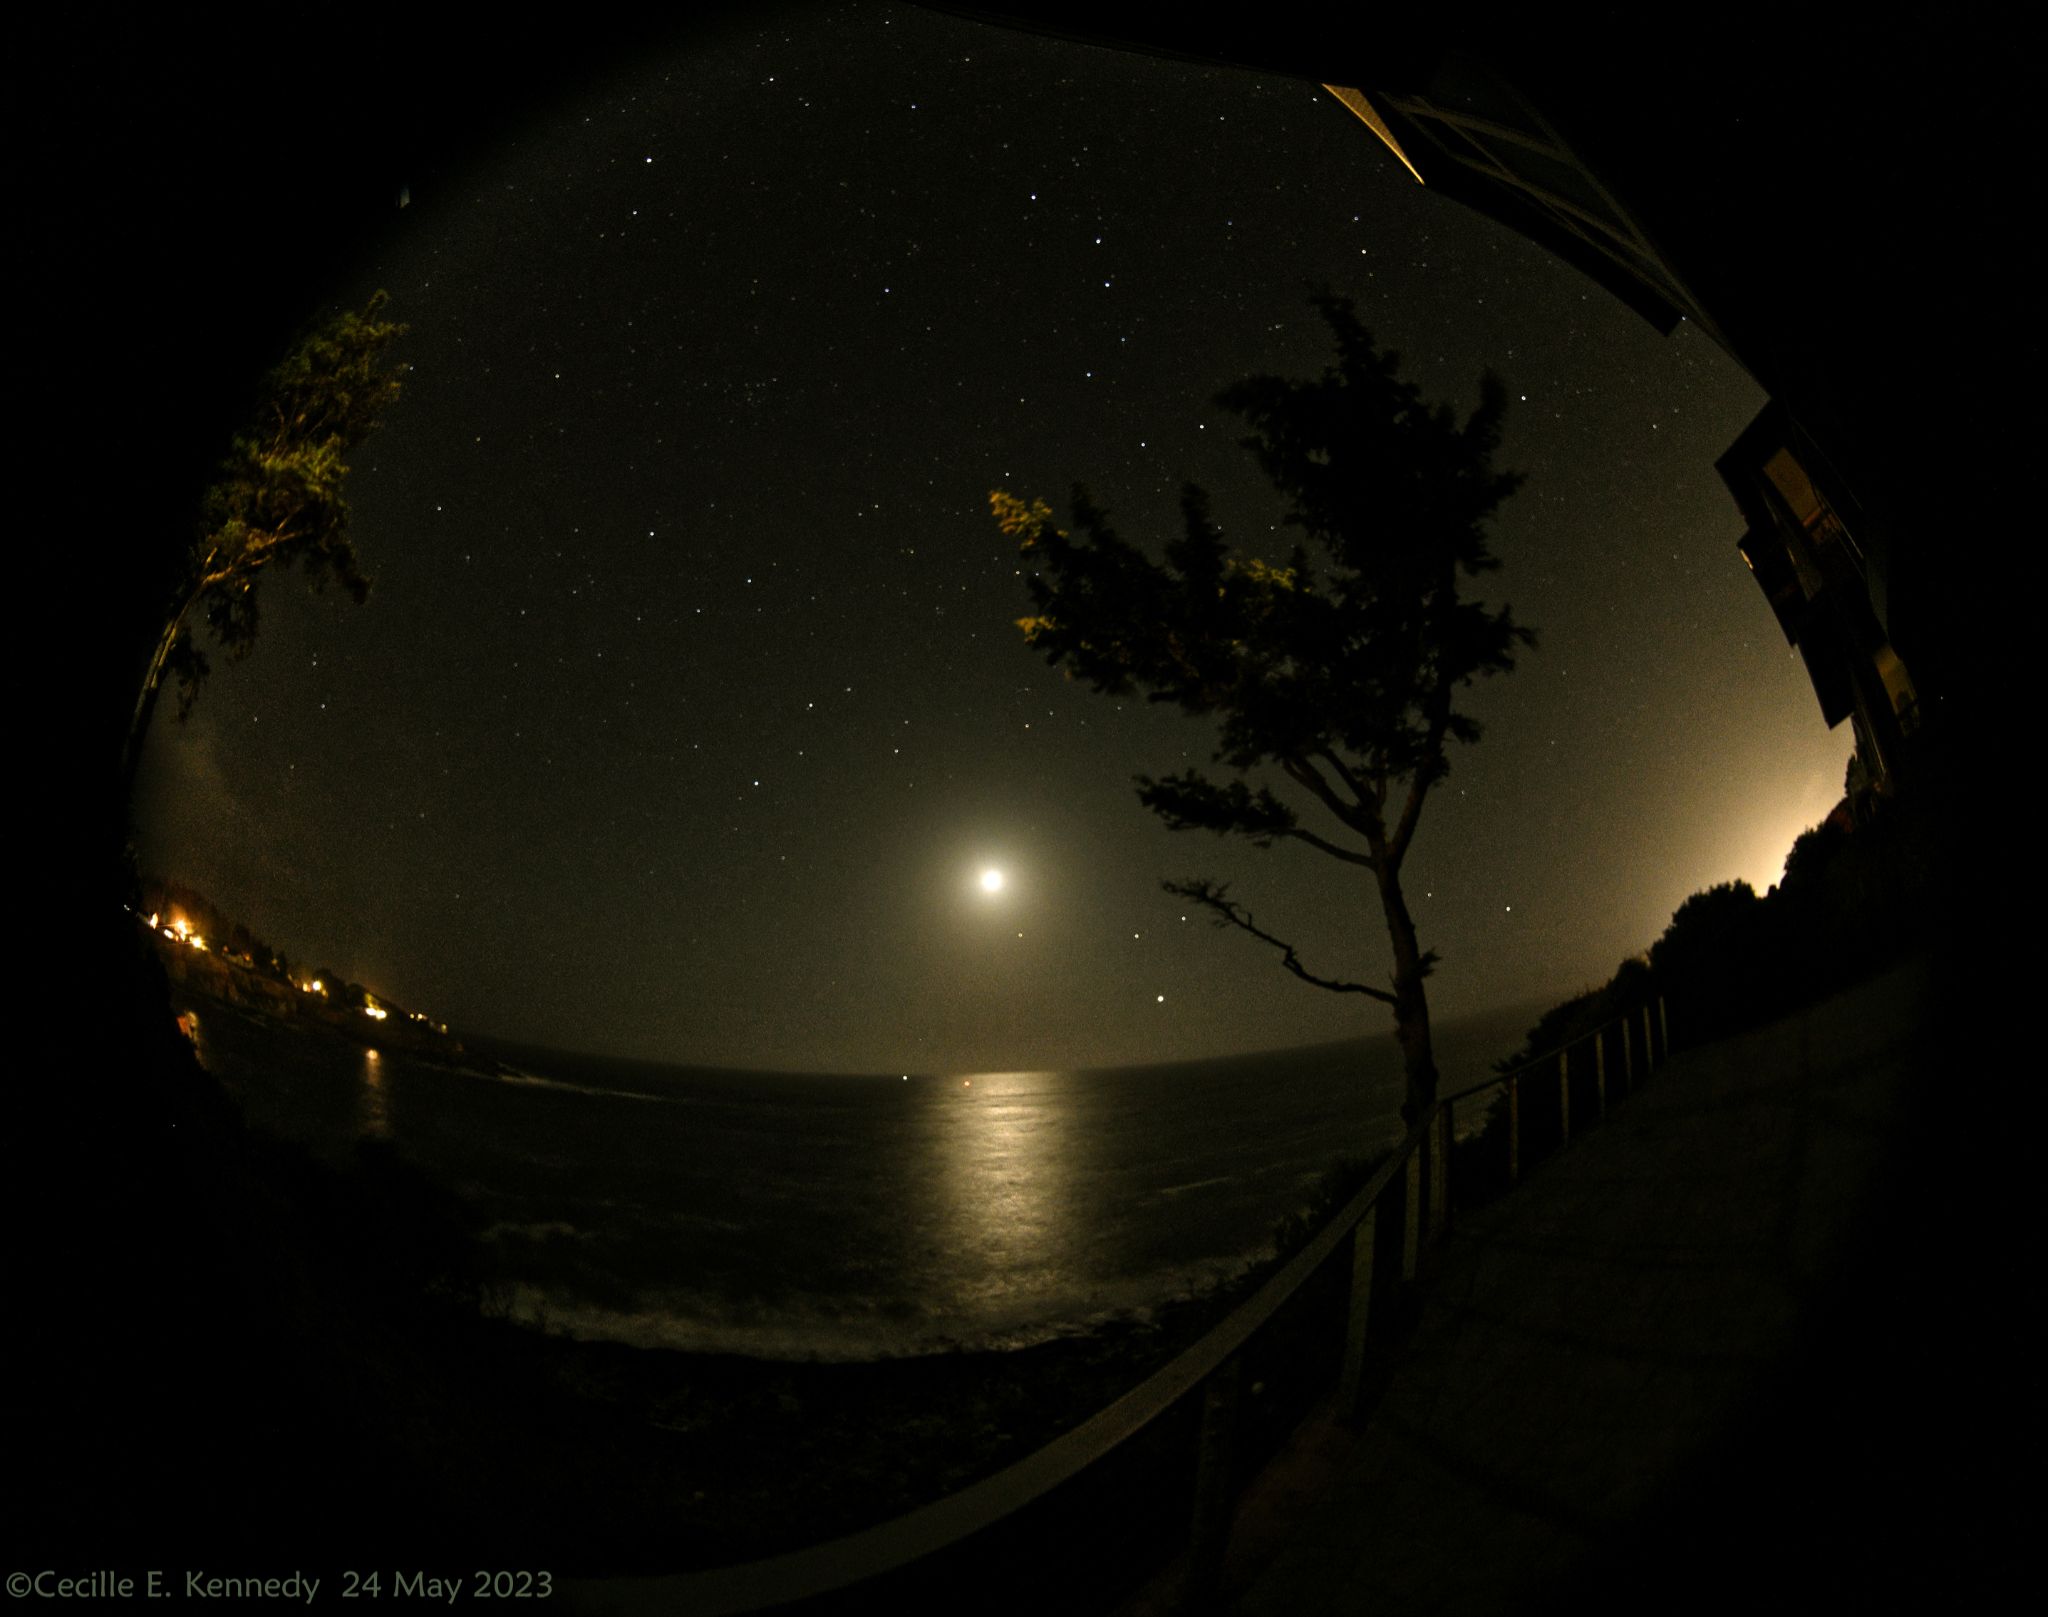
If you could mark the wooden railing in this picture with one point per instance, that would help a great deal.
(1377, 1237)
(1625, 1048)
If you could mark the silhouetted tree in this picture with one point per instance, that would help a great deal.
(280, 498)
(1714, 962)
(1343, 682)
(1705, 928)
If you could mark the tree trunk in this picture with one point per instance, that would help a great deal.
(145, 704)
(1411, 1003)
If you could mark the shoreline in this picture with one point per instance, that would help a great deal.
(639, 1460)
(600, 1457)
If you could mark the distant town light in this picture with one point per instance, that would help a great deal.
(375, 1012)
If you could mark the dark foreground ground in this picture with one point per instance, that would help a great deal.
(1759, 1337)
(1765, 1337)
(661, 1461)
(1770, 1328)
(247, 1357)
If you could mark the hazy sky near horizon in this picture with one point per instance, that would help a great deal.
(688, 708)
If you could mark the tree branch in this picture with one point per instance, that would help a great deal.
(1358, 787)
(1213, 896)
(1349, 856)
(249, 558)
(1357, 816)
(1190, 802)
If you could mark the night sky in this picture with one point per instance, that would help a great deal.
(688, 707)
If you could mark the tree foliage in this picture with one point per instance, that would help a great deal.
(1338, 669)
(280, 498)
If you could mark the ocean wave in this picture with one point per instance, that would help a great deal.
(1196, 1184)
(520, 1078)
(854, 1329)
(552, 1229)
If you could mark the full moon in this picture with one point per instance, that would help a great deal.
(991, 881)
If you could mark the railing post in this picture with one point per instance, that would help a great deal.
(1514, 1131)
(1424, 1159)
(1660, 1034)
(1351, 1384)
(1443, 1168)
(1632, 1075)
(1411, 1208)
(1642, 1013)
(1210, 1533)
(1600, 1075)
(1564, 1098)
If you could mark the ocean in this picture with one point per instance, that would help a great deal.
(808, 1216)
